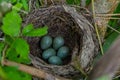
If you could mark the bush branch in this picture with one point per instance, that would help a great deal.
(33, 71)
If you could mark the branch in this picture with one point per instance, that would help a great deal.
(33, 71)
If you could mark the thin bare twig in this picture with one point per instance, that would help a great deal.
(52, 2)
(104, 15)
(3, 54)
(33, 71)
(109, 18)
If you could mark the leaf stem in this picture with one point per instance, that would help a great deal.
(3, 54)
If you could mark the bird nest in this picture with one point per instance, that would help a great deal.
(78, 32)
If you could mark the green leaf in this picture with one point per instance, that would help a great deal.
(10, 1)
(70, 1)
(19, 51)
(8, 39)
(105, 77)
(25, 4)
(11, 54)
(73, 2)
(12, 24)
(13, 1)
(29, 31)
(117, 9)
(88, 2)
(17, 6)
(2, 74)
(21, 47)
(14, 74)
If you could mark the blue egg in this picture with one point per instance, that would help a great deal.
(46, 42)
(63, 52)
(58, 42)
(48, 53)
(55, 60)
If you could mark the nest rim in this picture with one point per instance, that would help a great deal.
(70, 65)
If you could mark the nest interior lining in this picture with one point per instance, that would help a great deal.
(60, 23)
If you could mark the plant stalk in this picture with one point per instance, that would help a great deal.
(33, 71)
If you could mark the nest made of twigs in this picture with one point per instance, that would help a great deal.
(78, 33)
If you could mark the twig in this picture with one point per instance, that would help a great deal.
(31, 70)
(96, 29)
(104, 15)
(109, 18)
(30, 2)
(3, 55)
(52, 2)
